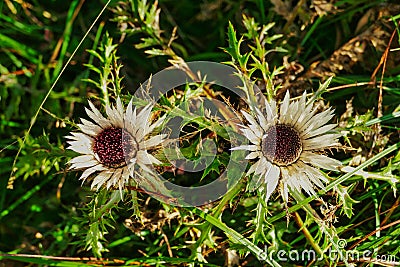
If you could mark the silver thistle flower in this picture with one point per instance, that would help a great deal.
(288, 146)
(114, 147)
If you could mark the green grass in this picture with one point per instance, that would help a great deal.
(55, 55)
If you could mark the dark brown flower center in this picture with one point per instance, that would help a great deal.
(281, 145)
(114, 146)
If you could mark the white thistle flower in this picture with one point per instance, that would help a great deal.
(288, 146)
(112, 147)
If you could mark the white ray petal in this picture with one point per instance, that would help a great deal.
(320, 130)
(270, 109)
(96, 116)
(316, 124)
(271, 180)
(79, 147)
(146, 158)
(153, 141)
(291, 113)
(292, 179)
(143, 117)
(90, 171)
(307, 185)
(255, 182)
(82, 139)
(300, 108)
(120, 108)
(83, 165)
(149, 129)
(246, 147)
(309, 124)
(284, 107)
(249, 117)
(251, 136)
(253, 155)
(272, 104)
(257, 130)
(318, 120)
(113, 117)
(144, 168)
(320, 161)
(129, 111)
(261, 118)
(130, 119)
(261, 167)
(305, 116)
(119, 116)
(83, 158)
(133, 161)
(125, 174)
(320, 142)
(253, 167)
(139, 135)
(303, 180)
(253, 125)
(159, 122)
(112, 181)
(302, 101)
(293, 184)
(283, 188)
(100, 179)
(89, 130)
(313, 174)
(85, 139)
(94, 127)
(121, 188)
(73, 137)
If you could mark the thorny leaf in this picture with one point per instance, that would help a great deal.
(345, 200)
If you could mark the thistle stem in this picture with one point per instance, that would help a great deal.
(216, 214)
(307, 234)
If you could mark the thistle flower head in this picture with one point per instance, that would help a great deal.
(287, 145)
(113, 148)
